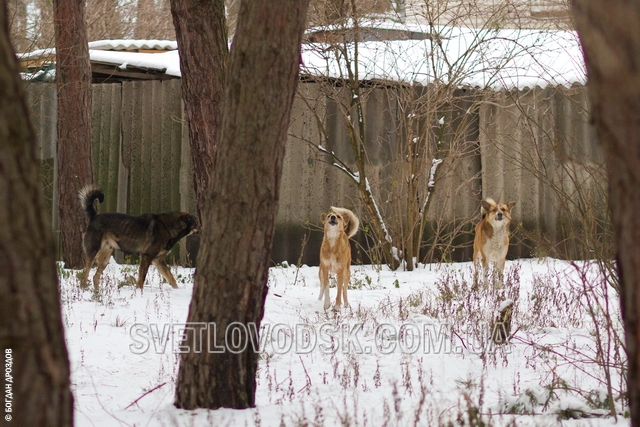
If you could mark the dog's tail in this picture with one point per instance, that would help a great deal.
(352, 220)
(88, 196)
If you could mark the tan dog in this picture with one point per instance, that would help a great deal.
(335, 253)
(491, 242)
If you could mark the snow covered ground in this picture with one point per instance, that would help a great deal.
(412, 350)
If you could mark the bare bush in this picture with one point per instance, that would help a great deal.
(32, 21)
(431, 150)
(561, 300)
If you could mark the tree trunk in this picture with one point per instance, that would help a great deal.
(31, 331)
(241, 208)
(75, 168)
(105, 20)
(202, 40)
(610, 36)
(144, 10)
(19, 26)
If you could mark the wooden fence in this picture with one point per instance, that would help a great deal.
(534, 147)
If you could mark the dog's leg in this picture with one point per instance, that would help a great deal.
(500, 265)
(102, 259)
(345, 285)
(145, 262)
(324, 286)
(84, 280)
(343, 280)
(486, 269)
(164, 269)
(477, 269)
(90, 254)
(499, 275)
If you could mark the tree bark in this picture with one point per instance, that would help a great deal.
(19, 26)
(73, 79)
(610, 36)
(143, 10)
(241, 208)
(105, 20)
(201, 32)
(31, 331)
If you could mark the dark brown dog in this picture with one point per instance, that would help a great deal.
(149, 235)
(335, 253)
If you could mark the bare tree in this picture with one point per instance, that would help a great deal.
(610, 36)
(106, 20)
(153, 20)
(436, 132)
(230, 287)
(31, 330)
(144, 7)
(17, 15)
(202, 39)
(323, 12)
(73, 80)
(39, 32)
(31, 21)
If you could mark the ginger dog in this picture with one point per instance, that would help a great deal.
(335, 253)
(491, 242)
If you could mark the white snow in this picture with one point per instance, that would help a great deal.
(158, 61)
(431, 183)
(463, 57)
(432, 172)
(389, 352)
(353, 175)
(506, 303)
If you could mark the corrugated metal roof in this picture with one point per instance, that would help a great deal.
(113, 45)
(160, 45)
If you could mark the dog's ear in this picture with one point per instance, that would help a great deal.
(486, 206)
(511, 204)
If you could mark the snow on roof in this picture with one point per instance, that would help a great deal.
(464, 57)
(37, 54)
(495, 59)
(123, 59)
(370, 23)
(123, 53)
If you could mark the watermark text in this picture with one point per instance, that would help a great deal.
(8, 384)
(303, 338)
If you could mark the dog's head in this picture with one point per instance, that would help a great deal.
(498, 215)
(334, 221)
(179, 225)
(190, 223)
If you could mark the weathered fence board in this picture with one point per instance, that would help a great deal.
(527, 146)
